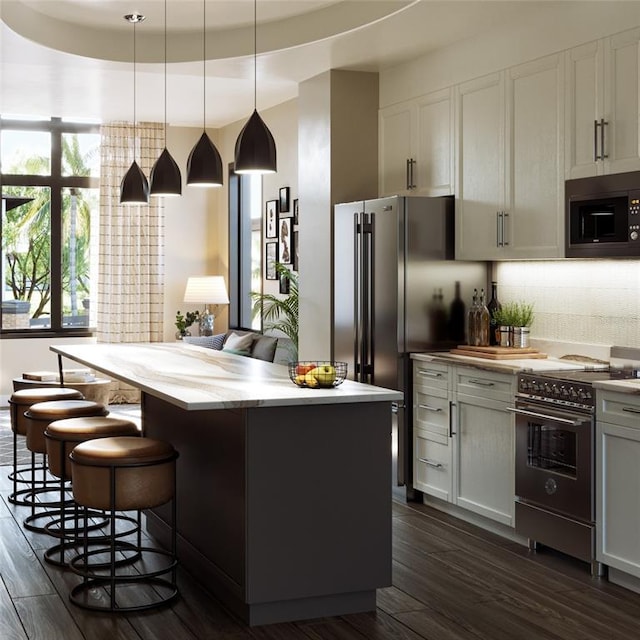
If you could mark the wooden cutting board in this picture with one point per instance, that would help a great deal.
(498, 353)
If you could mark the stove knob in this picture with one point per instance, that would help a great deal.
(572, 392)
(587, 395)
(564, 391)
(535, 387)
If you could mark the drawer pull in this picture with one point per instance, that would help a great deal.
(428, 408)
(630, 410)
(482, 383)
(429, 374)
(431, 463)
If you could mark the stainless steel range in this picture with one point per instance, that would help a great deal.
(555, 440)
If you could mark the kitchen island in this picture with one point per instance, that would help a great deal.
(284, 494)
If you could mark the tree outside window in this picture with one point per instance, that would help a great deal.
(48, 266)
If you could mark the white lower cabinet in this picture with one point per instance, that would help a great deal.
(617, 481)
(464, 438)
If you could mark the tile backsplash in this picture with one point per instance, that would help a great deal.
(591, 301)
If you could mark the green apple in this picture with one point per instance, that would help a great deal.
(325, 374)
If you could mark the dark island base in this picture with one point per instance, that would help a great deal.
(284, 513)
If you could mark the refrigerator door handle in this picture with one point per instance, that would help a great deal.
(357, 363)
(372, 299)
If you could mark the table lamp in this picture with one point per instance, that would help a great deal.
(207, 290)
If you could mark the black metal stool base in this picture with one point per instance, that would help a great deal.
(158, 592)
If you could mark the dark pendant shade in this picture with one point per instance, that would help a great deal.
(134, 188)
(204, 165)
(165, 178)
(255, 148)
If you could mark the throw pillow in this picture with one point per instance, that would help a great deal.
(211, 342)
(238, 344)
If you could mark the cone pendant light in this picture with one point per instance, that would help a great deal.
(166, 179)
(204, 165)
(255, 146)
(134, 188)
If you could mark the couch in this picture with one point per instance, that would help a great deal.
(243, 342)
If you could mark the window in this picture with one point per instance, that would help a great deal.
(49, 177)
(245, 247)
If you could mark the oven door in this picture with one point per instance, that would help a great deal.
(554, 459)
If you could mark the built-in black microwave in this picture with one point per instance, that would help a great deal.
(603, 216)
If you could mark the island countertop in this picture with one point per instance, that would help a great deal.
(195, 378)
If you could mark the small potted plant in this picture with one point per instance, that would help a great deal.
(522, 320)
(504, 319)
(184, 322)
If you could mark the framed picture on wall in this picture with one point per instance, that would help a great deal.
(270, 259)
(284, 199)
(295, 211)
(294, 245)
(285, 251)
(271, 219)
(284, 284)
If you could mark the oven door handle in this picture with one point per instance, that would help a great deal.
(545, 416)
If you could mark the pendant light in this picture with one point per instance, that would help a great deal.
(134, 188)
(166, 179)
(204, 165)
(255, 146)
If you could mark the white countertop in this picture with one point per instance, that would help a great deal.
(506, 366)
(196, 378)
(621, 386)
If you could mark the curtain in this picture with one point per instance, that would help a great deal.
(131, 243)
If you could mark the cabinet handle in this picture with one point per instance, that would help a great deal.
(429, 374)
(408, 171)
(410, 165)
(451, 406)
(431, 463)
(505, 215)
(482, 383)
(429, 408)
(498, 227)
(603, 123)
(630, 410)
(596, 157)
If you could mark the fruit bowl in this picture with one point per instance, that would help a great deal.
(317, 374)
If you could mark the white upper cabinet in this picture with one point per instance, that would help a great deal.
(416, 146)
(603, 105)
(510, 147)
(480, 119)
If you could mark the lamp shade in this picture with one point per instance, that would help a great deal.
(134, 188)
(255, 147)
(204, 165)
(166, 179)
(206, 290)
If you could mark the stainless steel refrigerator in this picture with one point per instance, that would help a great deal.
(394, 293)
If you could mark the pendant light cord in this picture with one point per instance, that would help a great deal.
(165, 73)
(204, 65)
(135, 137)
(255, 55)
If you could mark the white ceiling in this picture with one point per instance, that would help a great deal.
(73, 58)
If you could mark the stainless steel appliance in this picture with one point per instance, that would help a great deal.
(603, 216)
(555, 460)
(394, 292)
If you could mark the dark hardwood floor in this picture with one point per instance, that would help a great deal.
(451, 581)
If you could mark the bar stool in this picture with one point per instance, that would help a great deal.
(38, 417)
(124, 474)
(19, 402)
(61, 437)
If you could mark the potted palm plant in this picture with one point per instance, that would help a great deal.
(280, 313)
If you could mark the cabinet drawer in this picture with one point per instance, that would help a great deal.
(431, 411)
(430, 374)
(432, 466)
(618, 408)
(485, 384)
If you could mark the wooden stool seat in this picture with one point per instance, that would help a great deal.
(67, 433)
(124, 474)
(40, 415)
(20, 402)
(61, 438)
(145, 473)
